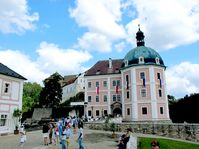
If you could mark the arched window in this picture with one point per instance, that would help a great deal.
(157, 60)
(141, 60)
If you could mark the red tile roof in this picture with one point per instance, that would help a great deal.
(102, 68)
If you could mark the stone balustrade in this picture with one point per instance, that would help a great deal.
(183, 131)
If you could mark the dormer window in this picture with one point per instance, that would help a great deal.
(141, 60)
(126, 63)
(98, 71)
(116, 70)
(157, 60)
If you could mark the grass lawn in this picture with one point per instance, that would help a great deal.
(166, 144)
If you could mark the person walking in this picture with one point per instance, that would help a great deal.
(80, 136)
(45, 134)
(63, 143)
(68, 135)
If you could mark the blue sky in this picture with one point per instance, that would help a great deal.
(40, 37)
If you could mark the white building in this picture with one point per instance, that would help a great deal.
(11, 90)
(73, 84)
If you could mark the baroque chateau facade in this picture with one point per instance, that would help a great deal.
(133, 87)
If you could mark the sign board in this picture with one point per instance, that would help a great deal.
(77, 103)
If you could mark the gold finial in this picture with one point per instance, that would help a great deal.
(139, 27)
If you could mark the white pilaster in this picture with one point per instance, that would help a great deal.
(123, 86)
(109, 95)
(165, 93)
(86, 90)
(153, 93)
(134, 95)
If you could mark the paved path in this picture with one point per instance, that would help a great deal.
(92, 140)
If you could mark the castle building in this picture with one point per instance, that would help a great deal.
(133, 87)
(11, 91)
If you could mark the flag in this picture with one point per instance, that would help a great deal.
(97, 90)
(160, 83)
(116, 89)
(127, 85)
(143, 82)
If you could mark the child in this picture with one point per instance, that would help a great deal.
(22, 133)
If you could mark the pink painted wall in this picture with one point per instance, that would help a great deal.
(148, 116)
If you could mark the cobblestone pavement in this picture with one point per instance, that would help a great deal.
(92, 140)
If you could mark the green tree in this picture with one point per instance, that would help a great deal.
(51, 94)
(31, 92)
(17, 116)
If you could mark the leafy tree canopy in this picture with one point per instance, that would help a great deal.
(51, 94)
(185, 109)
(31, 92)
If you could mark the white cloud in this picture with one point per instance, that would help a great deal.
(15, 17)
(166, 24)
(183, 79)
(101, 18)
(120, 46)
(50, 59)
(95, 42)
(22, 64)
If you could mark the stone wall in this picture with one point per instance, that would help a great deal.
(181, 131)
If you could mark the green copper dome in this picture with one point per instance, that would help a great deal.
(149, 56)
(142, 55)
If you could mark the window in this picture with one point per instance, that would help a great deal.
(161, 110)
(97, 112)
(114, 83)
(127, 78)
(143, 92)
(158, 75)
(144, 110)
(89, 84)
(89, 112)
(141, 60)
(105, 98)
(7, 88)
(160, 93)
(127, 94)
(105, 83)
(118, 98)
(142, 75)
(97, 98)
(89, 98)
(3, 119)
(97, 84)
(128, 111)
(114, 98)
(118, 82)
(126, 62)
(105, 112)
(157, 60)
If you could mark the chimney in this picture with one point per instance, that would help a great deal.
(110, 63)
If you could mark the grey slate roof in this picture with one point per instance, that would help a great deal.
(4, 70)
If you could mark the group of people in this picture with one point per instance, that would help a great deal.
(128, 141)
(61, 132)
